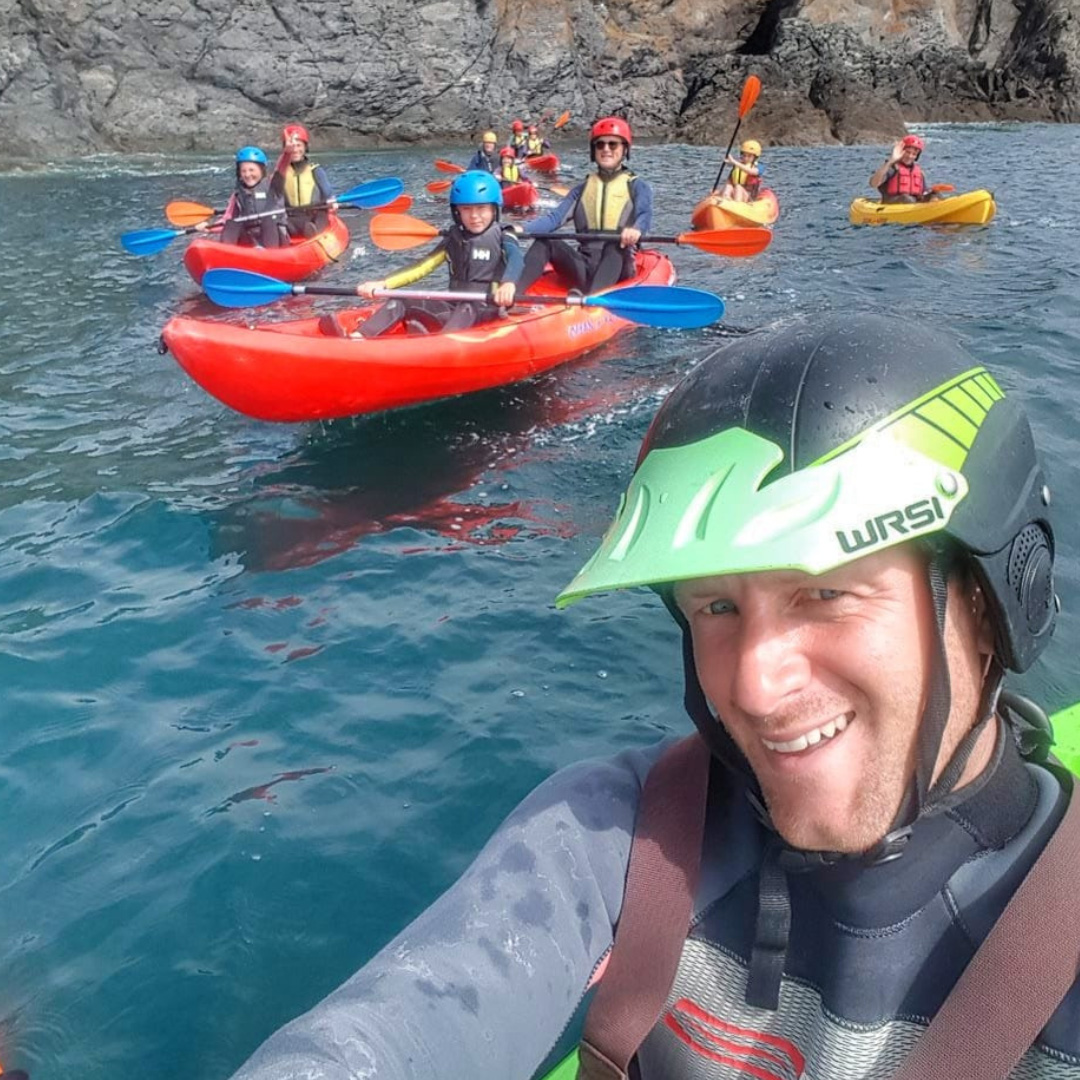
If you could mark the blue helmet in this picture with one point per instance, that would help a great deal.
(250, 153)
(475, 187)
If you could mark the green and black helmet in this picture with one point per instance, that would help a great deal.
(814, 444)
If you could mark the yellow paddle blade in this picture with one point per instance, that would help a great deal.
(182, 213)
(399, 232)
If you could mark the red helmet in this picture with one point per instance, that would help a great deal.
(610, 125)
(517, 125)
(914, 141)
(507, 151)
(295, 131)
(533, 129)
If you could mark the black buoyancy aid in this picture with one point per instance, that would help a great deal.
(475, 259)
(905, 180)
(257, 199)
(605, 205)
(300, 186)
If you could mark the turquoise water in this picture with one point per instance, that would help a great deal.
(267, 688)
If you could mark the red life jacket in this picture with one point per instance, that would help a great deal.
(905, 181)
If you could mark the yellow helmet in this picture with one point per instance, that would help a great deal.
(751, 146)
(490, 136)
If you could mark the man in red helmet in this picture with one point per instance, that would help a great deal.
(901, 179)
(305, 183)
(611, 200)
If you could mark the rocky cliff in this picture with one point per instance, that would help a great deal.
(86, 75)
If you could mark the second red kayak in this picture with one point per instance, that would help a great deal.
(543, 163)
(521, 196)
(301, 259)
(297, 371)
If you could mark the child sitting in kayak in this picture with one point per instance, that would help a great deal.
(304, 183)
(481, 257)
(901, 179)
(536, 145)
(744, 183)
(508, 172)
(255, 193)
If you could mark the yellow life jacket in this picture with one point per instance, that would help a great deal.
(509, 173)
(743, 178)
(300, 186)
(606, 206)
(534, 146)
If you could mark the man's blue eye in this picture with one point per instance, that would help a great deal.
(721, 607)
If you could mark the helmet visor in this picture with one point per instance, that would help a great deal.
(704, 509)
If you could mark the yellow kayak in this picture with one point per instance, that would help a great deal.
(714, 212)
(972, 208)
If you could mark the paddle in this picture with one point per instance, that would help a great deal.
(751, 89)
(938, 189)
(448, 166)
(183, 213)
(668, 306)
(400, 232)
(564, 119)
(437, 186)
(368, 196)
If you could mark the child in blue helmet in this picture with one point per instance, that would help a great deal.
(481, 257)
(255, 193)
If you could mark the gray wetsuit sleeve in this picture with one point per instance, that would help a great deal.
(483, 983)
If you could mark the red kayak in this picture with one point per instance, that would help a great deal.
(521, 196)
(543, 163)
(301, 259)
(296, 371)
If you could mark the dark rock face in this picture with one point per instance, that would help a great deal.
(85, 75)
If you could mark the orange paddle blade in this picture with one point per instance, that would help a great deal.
(399, 205)
(399, 232)
(734, 243)
(558, 189)
(435, 186)
(937, 188)
(563, 120)
(448, 166)
(182, 214)
(751, 89)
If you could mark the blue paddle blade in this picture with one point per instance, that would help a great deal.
(149, 241)
(242, 288)
(373, 194)
(670, 306)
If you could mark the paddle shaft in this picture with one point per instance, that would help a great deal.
(751, 89)
(424, 294)
(604, 236)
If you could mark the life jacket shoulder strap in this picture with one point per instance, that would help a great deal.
(1018, 976)
(658, 904)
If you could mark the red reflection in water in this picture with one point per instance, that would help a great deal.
(411, 470)
(262, 791)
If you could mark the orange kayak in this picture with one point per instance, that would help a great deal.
(296, 371)
(714, 212)
(301, 259)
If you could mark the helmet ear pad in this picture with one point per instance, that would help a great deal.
(1005, 526)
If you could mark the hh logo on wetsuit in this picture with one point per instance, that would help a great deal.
(481, 253)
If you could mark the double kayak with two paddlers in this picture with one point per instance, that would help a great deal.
(295, 371)
(971, 208)
(299, 259)
(716, 212)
